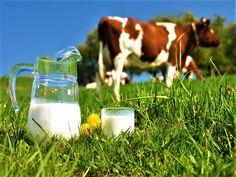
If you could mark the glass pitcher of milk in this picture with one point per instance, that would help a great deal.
(54, 107)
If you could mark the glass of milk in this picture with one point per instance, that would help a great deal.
(54, 107)
(116, 120)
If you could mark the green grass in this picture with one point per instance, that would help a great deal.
(191, 133)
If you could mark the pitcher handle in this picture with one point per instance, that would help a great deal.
(17, 69)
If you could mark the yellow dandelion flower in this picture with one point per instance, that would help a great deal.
(94, 121)
(85, 129)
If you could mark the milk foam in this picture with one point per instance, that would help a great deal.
(61, 119)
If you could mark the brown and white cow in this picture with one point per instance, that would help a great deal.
(130, 43)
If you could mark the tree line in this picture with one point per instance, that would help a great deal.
(221, 59)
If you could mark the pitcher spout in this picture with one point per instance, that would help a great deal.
(68, 54)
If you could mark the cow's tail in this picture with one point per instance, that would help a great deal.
(100, 75)
(101, 66)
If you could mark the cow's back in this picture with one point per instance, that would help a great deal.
(154, 41)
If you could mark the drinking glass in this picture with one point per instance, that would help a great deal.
(116, 120)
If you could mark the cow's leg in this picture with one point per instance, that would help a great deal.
(170, 72)
(177, 74)
(119, 61)
(191, 66)
(194, 68)
(99, 83)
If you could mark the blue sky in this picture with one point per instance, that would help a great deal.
(34, 28)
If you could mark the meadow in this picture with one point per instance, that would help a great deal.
(187, 130)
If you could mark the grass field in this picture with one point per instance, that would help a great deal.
(191, 133)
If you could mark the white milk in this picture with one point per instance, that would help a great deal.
(61, 119)
(114, 125)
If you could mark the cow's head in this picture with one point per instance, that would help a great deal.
(205, 35)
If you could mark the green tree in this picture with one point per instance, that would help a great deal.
(88, 66)
(185, 18)
(230, 42)
(89, 50)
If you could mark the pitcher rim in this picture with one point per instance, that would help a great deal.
(48, 59)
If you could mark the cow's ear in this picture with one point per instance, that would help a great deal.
(205, 21)
(202, 23)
